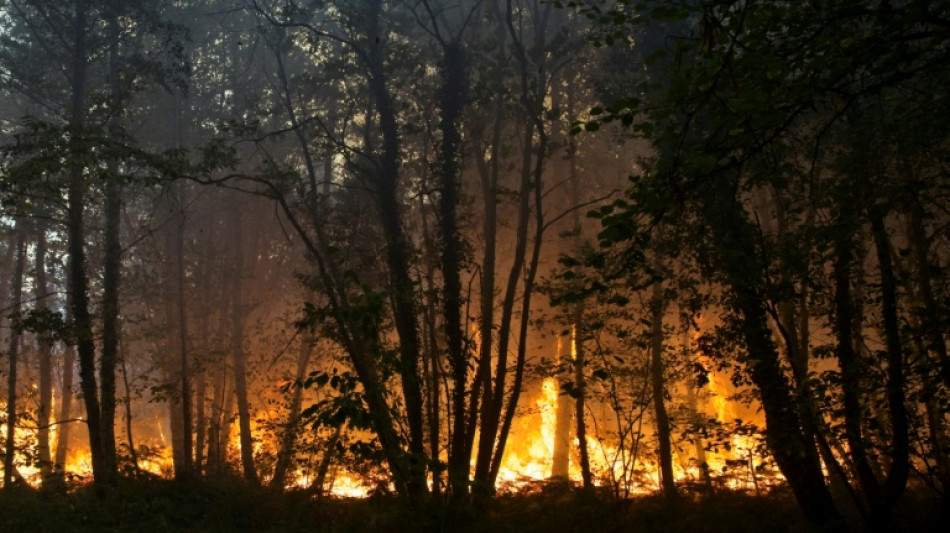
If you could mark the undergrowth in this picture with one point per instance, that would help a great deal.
(230, 506)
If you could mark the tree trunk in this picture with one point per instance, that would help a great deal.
(561, 448)
(920, 246)
(397, 260)
(76, 231)
(219, 425)
(489, 174)
(528, 291)
(329, 452)
(201, 420)
(452, 102)
(133, 454)
(362, 343)
(744, 275)
(44, 408)
(657, 382)
(182, 340)
(580, 386)
(12, 354)
(851, 371)
(285, 454)
(431, 361)
(65, 411)
(896, 480)
(237, 347)
(522, 355)
(110, 330)
(112, 263)
(494, 394)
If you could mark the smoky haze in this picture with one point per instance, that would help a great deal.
(451, 249)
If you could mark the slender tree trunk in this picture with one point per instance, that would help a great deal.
(699, 421)
(851, 371)
(237, 347)
(321, 478)
(580, 386)
(452, 102)
(561, 448)
(935, 347)
(493, 395)
(526, 298)
(133, 454)
(481, 387)
(362, 343)
(182, 340)
(397, 254)
(43, 411)
(12, 355)
(431, 364)
(65, 410)
(522, 354)
(201, 420)
(78, 275)
(408, 470)
(920, 248)
(794, 327)
(489, 173)
(112, 263)
(220, 421)
(658, 385)
(288, 439)
(110, 331)
(896, 480)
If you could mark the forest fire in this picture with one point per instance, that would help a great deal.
(441, 250)
(734, 461)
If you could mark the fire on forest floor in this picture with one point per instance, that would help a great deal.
(735, 461)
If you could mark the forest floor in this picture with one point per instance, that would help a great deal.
(163, 506)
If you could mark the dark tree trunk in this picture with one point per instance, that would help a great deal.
(182, 340)
(386, 182)
(452, 102)
(76, 231)
(220, 423)
(489, 174)
(851, 372)
(657, 383)
(112, 263)
(43, 411)
(431, 361)
(12, 355)
(896, 480)
(133, 454)
(580, 386)
(110, 331)
(930, 320)
(324, 467)
(533, 262)
(65, 410)
(288, 439)
(744, 275)
(237, 347)
(360, 344)
(493, 395)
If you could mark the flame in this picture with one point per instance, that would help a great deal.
(734, 461)
(531, 459)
